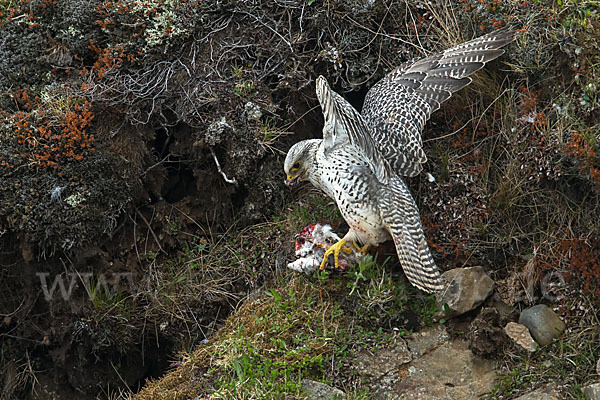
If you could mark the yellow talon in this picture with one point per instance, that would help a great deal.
(359, 249)
(335, 249)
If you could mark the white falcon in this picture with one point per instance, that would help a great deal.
(362, 157)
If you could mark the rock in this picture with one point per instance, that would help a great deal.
(319, 390)
(467, 289)
(547, 392)
(426, 340)
(598, 367)
(383, 361)
(543, 323)
(520, 334)
(253, 111)
(592, 392)
(427, 366)
(381, 370)
(450, 371)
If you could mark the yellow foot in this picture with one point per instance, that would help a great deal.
(335, 249)
(359, 249)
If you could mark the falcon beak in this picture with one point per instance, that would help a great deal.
(292, 181)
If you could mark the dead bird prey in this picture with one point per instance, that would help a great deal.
(362, 157)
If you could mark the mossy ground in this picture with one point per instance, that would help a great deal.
(299, 328)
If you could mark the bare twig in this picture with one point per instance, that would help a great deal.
(269, 28)
(232, 181)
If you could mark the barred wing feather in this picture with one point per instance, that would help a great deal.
(397, 107)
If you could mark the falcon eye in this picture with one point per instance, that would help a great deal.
(296, 165)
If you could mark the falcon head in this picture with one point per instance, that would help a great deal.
(299, 160)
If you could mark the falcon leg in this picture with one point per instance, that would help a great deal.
(335, 250)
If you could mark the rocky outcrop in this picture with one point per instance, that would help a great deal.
(427, 366)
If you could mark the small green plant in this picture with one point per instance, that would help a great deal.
(105, 296)
(322, 275)
(380, 295)
(173, 226)
(512, 383)
(237, 70)
(425, 308)
(246, 89)
(366, 271)
(269, 131)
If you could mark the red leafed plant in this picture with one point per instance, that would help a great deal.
(585, 154)
(45, 142)
(584, 263)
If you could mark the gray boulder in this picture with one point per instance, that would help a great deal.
(543, 323)
(467, 289)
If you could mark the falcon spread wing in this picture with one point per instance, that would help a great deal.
(398, 106)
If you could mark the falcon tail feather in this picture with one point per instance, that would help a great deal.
(401, 217)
